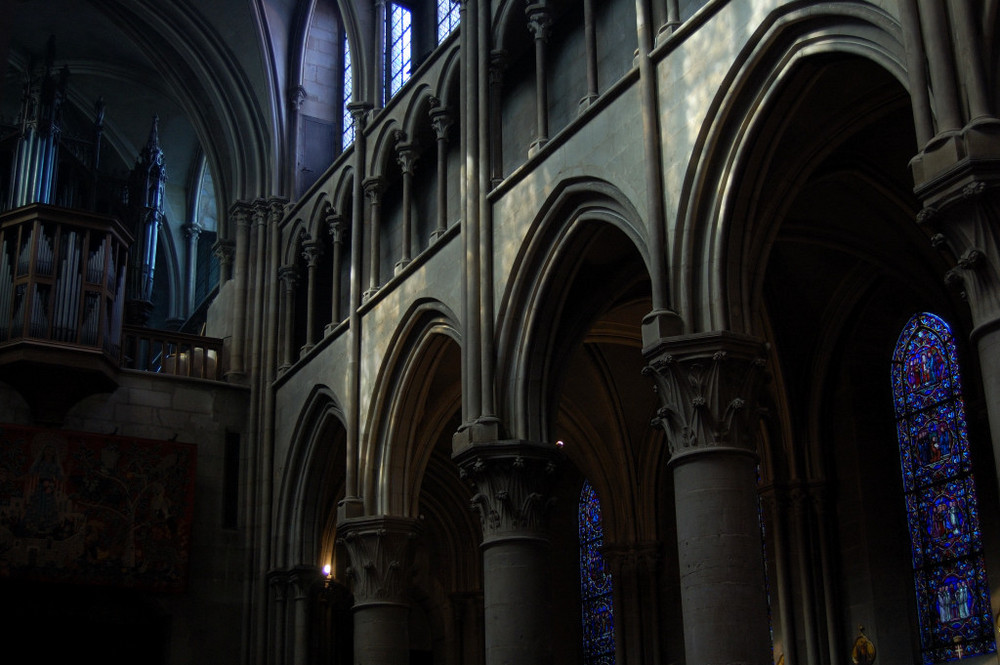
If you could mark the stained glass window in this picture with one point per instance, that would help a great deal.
(447, 18)
(348, 119)
(397, 52)
(953, 600)
(595, 584)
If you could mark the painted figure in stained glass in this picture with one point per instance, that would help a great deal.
(595, 584)
(939, 493)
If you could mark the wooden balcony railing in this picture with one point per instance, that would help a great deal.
(174, 353)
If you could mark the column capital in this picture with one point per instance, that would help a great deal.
(289, 276)
(312, 250)
(276, 206)
(259, 212)
(373, 188)
(335, 225)
(708, 386)
(539, 20)
(511, 481)
(224, 250)
(303, 579)
(380, 550)
(406, 157)
(499, 61)
(192, 230)
(964, 220)
(277, 581)
(240, 211)
(359, 112)
(296, 96)
(441, 121)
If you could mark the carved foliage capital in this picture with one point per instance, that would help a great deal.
(289, 276)
(373, 189)
(539, 20)
(965, 222)
(512, 484)
(406, 157)
(192, 231)
(380, 550)
(708, 387)
(312, 250)
(224, 251)
(240, 212)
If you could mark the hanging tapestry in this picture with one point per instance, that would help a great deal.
(94, 509)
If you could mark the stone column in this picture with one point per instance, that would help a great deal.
(224, 251)
(511, 483)
(406, 157)
(277, 580)
(381, 554)
(498, 65)
(965, 219)
(540, 22)
(590, 41)
(801, 509)
(373, 191)
(821, 500)
(191, 232)
(635, 577)
(303, 580)
(335, 224)
(708, 385)
(441, 122)
(775, 504)
(311, 252)
(241, 214)
(289, 276)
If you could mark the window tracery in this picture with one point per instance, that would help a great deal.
(939, 490)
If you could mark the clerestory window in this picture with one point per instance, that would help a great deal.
(347, 120)
(447, 18)
(399, 47)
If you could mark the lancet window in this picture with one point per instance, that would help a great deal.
(595, 583)
(398, 52)
(347, 135)
(952, 593)
(447, 18)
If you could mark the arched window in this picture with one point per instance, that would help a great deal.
(447, 18)
(398, 50)
(949, 573)
(347, 120)
(595, 584)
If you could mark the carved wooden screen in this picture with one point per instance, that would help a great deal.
(595, 584)
(949, 573)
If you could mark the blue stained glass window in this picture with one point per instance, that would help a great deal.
(398, 51)
(348, 119)
(953, 600)
(447, 18)
(595, 584)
